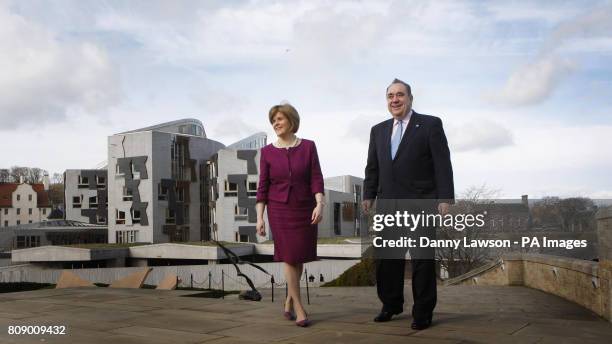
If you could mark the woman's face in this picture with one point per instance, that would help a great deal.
(281, 124)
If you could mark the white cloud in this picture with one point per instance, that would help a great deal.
(359, 127)
(595, 23)
(533, 82)
(536, 81)
(232, 128)
(44, 78)
(481, 135)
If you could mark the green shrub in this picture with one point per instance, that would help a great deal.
(360, 274)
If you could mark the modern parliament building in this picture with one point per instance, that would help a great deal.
(171, 183)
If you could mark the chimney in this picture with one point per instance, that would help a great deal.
(525, 200)
(46, 181)
(20, 179)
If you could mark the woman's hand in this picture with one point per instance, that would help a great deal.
(261, 227)
(317, 214)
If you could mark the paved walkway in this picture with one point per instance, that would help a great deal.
(340, 315)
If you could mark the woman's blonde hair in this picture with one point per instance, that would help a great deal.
(290, 112)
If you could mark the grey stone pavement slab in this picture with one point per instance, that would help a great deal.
(465, 314)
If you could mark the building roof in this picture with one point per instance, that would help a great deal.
(43, 196)
(7, 189)
(168, 125)
(6, 193)
(255, 141)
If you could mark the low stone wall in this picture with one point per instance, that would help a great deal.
(583, 282)
(200, 275)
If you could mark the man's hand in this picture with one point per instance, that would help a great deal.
(443, 208)
(366, 205)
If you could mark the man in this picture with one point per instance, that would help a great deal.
(408, 159)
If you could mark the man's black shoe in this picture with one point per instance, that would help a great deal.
(420, 325)
(385, 316)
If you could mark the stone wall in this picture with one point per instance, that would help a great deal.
(583, 282)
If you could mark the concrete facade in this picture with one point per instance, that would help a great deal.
(154, 189)
(342, 213)
(233, 178)
(85, 196)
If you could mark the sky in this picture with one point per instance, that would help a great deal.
(523, 87)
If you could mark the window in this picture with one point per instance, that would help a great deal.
(231, 189)
(337, 219)
(83, 182)
(252, 189)
(100, 219)
(76, 201)
(29, 221)
(18, 222)
(170, 219)
(6, 211)
(44, 211)
(186, 214)
(123, 237)
(18, 211)
(135, 174)
(19, 197)
(135, 216)
(163, 193)
(5, 223)
(212, 170)
(127, 194)
(30, 198)
(120, 217)
(240, 212)
(25, 241)
(180, 194)
(118, 172)
(93, 202)
(101, 181)
(244, 238)
(30, 211)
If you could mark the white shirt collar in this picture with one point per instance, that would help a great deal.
(405, 119)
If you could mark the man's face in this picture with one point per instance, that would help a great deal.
(399, 102)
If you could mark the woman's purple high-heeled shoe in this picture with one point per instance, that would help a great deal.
(303, 323)
(289, 316)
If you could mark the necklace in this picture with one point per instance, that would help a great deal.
(280, 145)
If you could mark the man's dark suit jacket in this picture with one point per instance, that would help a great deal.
(421, 168)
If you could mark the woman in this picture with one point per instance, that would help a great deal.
(291, 187)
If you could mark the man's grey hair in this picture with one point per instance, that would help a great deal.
(398, 81)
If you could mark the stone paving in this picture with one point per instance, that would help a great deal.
(465, 314)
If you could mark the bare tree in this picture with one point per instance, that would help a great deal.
(18, 173)
(574, 214)
(5, 175)
(57, 178)
(29, 174)
(474, 200)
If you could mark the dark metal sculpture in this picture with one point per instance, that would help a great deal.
(252, 294)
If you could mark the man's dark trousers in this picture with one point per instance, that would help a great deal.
(390, 286)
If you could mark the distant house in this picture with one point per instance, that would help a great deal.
(22, 203)
(508, 217)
